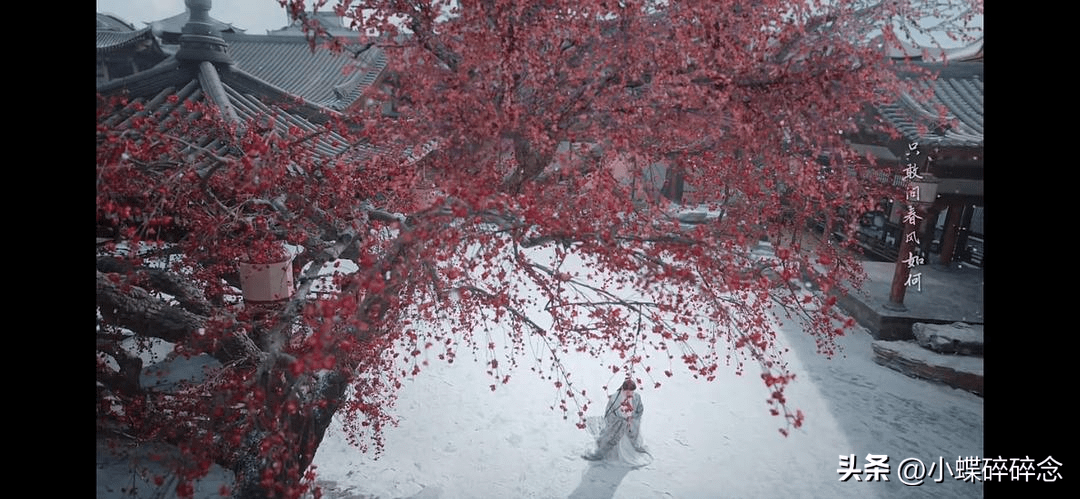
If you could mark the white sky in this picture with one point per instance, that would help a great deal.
(254, 16)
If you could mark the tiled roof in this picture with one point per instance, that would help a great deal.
(283, 59)
(330, 21)
(237, 95)
(112, 22)
(109, 40)
(331, 80)
(252, 76)
(970, 52)
(958, 91)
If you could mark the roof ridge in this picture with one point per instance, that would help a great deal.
(215, 91)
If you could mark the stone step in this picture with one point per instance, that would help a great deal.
(958, 371)
(959, 337)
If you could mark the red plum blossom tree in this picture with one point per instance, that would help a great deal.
(523, 135)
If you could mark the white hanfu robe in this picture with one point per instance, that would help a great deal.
(618, 433)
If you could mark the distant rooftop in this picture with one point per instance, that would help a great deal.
(112, 22)
(957, 96)
(970, 52)
(332, 23)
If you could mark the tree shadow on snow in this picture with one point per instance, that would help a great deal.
(600, 481)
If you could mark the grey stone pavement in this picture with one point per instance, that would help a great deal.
(945, 295)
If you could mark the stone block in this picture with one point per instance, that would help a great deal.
(957, 338)
(958, 371)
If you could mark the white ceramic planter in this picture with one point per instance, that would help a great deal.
(266, 282)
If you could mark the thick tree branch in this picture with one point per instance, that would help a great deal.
(139, 310)
(189, 296)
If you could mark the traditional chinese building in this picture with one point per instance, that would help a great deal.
(943, 135)
(282, 58)
(123, 50)
(273, 82)
(203, 68)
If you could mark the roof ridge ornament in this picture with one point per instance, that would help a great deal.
(199, 40)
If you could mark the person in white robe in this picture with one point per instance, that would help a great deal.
(618, 432)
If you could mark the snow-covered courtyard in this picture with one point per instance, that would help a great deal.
(458, 439)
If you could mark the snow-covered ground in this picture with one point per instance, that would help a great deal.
(458, 439)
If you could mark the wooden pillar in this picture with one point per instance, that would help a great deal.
(909, 254)
(900, 277)
(929, 228)
(952, 232)
(673, 184)
(902, 270)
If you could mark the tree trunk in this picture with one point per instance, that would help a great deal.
(303, 431)
(530, 163)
